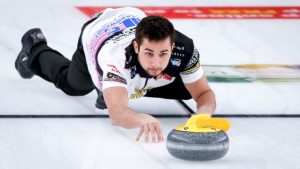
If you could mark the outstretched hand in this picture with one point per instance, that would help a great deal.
(151, 128)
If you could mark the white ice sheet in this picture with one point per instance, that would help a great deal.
(95, 144)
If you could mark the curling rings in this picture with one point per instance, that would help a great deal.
(201, 138)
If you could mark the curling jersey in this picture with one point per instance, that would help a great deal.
(111, 60)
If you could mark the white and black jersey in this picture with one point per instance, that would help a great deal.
(111, 60)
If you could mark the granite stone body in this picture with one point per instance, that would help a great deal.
(197, 146)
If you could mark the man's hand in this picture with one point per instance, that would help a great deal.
(116, 99)
(150, 126)
(203, 95)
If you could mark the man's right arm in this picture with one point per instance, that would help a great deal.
(116, 99)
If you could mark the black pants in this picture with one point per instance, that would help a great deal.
(73, 78)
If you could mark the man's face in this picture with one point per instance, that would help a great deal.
(154, 56)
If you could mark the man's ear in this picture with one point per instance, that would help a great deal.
(173, 46)
(136, 47)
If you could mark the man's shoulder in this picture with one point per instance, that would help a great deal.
(183, 44)
(182, 38)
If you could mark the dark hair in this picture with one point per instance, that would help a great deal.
(155, 28)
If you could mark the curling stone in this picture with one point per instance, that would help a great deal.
(201, 138)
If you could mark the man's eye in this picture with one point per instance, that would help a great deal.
(149, 54)
(163, 54)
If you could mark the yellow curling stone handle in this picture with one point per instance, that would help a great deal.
(204, 123)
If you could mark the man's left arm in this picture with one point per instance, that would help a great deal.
(203, 95)
(195, 82)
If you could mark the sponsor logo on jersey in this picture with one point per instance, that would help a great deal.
(179, 47)
(175, 62)
(114, 69)
(139, 93)
(164, 76)
(178, 54)
(114, 78)
(178, 51)
(118, 24)
(123, 35)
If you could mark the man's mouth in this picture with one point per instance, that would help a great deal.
(155, 70)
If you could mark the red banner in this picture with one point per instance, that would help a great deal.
(197, 12)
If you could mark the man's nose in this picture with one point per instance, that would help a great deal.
(156, 61)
